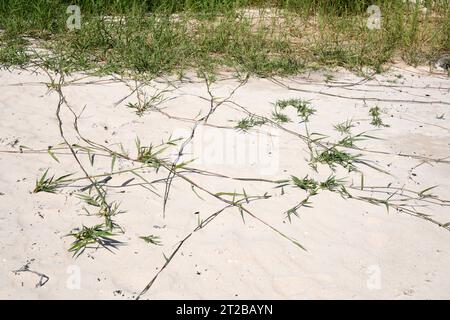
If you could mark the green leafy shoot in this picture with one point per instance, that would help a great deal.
(105, 209)
(52, 154)
(333, 157)
(149, 155)
(294, 210)
(344, 127)
(250, 122)
(332, 184)
(141, 107)
(424, 194)
(88, 236)
(95, 201)
(376, 120)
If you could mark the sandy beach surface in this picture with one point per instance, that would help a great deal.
(354, 249)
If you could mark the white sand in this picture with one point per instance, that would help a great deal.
(355, 249)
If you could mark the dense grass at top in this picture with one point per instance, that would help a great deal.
(207, 34)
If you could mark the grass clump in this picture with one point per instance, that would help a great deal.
(376, 119)
(259, 37)
(13, 53)
(312, 188)
(302, 106)
(349, 140)
(104, 209)
(332, 184)
(280, 117)
(151, 239)
(49, 184)
(333, 157)
(88, 236)
(249, 122)
(344, 127)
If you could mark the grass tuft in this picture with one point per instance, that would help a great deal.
(88, 236)
(376, 119)
(259, 37)
(151, 239)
